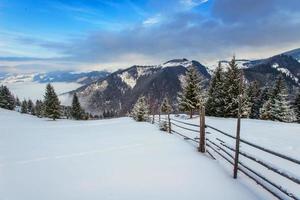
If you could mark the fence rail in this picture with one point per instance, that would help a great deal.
(226, 152)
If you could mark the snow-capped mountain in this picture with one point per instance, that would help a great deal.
(55, 76)
(265, 71)
(120, 90)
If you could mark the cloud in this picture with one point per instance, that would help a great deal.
(192, 3)
(152, 20)
(247, 28)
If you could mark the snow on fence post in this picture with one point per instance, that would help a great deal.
(201, 147)
(169, 123)
(237, 141)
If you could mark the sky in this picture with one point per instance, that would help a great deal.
(81, 35)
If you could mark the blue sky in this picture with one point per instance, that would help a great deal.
(44, 35)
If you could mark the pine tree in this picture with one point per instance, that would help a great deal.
(165, 106)
(30, 107)
(24, 107)
(51, 103)
(193, 94)
(39, 108)
(7, 100)
(215, 102)
(265, 111)
(232, 88)
(253, 93)
(18, 102)
(76, 110)
(280, 106)
(277, 107)
(297, 107)
(140, 110)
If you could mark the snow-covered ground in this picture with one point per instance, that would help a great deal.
(280, 137)
(108, 159)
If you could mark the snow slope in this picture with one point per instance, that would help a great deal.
(107, 159)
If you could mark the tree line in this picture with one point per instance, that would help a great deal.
(221, 99)
(49, 107)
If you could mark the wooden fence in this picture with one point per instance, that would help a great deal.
(224, 150)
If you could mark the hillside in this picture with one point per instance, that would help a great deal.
(120, 90)
(111, 159)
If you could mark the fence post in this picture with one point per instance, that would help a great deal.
(201, 147)
(169, 123)
(237, 141)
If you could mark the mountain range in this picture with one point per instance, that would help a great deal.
(119, 91)
(54, 76)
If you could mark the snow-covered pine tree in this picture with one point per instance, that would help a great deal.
(7, 100)
(39, 108)
(215, 102)
(280, 106)
(297, 107)
(76, 110)
(17, 101)
(51, 103)
(253, 93)
(24, 107)
(193, 95)
(165, 106)
(265, 111)
(140, 110)
(232, 89)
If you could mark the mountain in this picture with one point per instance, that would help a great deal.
(120, 90)
(294, 53)
(265, 71)
(55, 76)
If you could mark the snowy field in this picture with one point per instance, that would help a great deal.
(116, 159)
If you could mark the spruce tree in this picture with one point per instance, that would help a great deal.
(24, 107)
(51, 103)
(7, 100)
(232, 84)
(30, 107)
(140, 110)
(193, 95)
(280, 106)
(253, 93)
(277, 107)
(215, 102)
(39, 108)
(297, 107)
(18, 102)
(165, 106)
(76, 110)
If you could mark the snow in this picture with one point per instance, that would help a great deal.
(176, 64)
(286, 72)
(107, 159)
(128, 79)
(280, 137)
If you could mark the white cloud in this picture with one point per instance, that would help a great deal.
(192, 3)
(152, 20)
